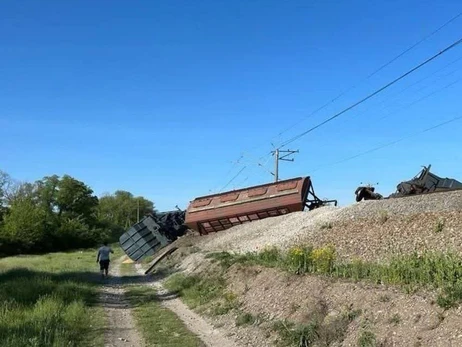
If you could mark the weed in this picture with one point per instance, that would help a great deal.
(246, 287)
(245, 319)
(367, 339)
(450, 296)
(297, 335)
(317, 330)
(270, 255)
(323, 259)
(351, 315)
(384, 298)
(395, 319)
(299, 259)
(294, 307)
(439, 226)
(383, 216)
(228, 303)
(334, 330)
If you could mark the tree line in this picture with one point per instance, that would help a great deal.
(62, 213)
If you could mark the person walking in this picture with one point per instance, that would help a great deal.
(103, 259)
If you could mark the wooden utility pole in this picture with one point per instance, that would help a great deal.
(277, 157)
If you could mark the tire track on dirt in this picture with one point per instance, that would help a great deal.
(209, 335)
(121, 327)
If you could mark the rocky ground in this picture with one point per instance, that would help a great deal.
(372, 230)
(368, 229)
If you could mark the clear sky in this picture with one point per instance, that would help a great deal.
(162, 97)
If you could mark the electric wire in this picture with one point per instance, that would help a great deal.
(422, 98)
(351, 88)
(388, 114)
(379, 147)
(367, 77)
(454, 44)
(372, 74)
(232, 179)
(400, 109)
(383, 104)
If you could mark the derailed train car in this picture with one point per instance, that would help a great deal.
(217, 212)
(425, 182)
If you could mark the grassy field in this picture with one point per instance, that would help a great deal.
(49, 300)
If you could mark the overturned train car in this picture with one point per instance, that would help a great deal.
(214, 213)
(152, 233)
(425, 182)
(218, 212)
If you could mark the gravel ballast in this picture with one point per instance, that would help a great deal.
(368, 229)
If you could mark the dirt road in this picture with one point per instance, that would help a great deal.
(209, 335)
(121, 329)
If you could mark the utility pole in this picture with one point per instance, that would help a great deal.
(277, 157)
(276, 165)
(138, 210)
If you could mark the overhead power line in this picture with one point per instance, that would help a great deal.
(390, 143)
(232, 179)
(354, 86)
(439, 90)
(456, 43)
(372, 74)
(400, 109)
(415, 44)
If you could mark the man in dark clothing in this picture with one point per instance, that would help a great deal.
(103, 259)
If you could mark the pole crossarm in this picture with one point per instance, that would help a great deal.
(278, 157)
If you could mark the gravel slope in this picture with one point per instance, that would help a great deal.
(368, 229)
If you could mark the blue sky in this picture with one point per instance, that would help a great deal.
(162, 98)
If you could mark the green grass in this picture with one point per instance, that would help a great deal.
(318, 331)
(49, 300)
(159, 326)
(430, 270)
(367, 339)
(196, 290)
(296, 334)
(245, 318)
(439, 226)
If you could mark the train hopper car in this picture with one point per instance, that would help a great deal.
(218, 212)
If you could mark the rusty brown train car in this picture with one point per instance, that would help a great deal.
(218, 212)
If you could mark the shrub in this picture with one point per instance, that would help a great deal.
(300, 259)
(367, 339)
(323, 259)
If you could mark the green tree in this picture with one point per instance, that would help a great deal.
(24, 227)
(121, 208)
(4, 178)
(75, 199)
(57, 213)
(47, 191)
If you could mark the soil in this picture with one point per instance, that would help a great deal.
(395, 317)
(210, 335)
(121, 329)
(372, 231)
